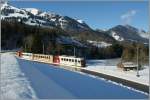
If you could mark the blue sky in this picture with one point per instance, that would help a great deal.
(97, 14)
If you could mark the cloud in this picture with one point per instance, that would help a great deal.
(127, 17)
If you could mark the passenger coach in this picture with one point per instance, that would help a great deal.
(58, 60)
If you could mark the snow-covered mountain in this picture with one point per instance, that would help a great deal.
(143, 34)
(126, 32)
(36, 17)
(34, 11)
(33, 16)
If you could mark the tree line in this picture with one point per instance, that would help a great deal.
(37, 39)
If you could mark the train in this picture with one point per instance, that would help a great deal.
(63, 60)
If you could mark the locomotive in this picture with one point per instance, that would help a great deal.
(63, 60)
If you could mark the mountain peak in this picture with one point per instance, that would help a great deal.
(3, 4)
(126, 27)
(127, 32)
(34, 11)
(80, 21)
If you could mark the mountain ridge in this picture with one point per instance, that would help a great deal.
(36, 17)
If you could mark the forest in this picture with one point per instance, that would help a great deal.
(38, 39)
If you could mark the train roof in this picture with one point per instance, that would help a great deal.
(66, 56)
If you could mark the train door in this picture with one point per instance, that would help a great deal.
(83, 64)
(56, 60)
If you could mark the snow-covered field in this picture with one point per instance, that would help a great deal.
(22, 79)
(109, 67)
(14, 84)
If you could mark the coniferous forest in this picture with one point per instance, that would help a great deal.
(37, 39)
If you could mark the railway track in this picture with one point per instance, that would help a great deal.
(135, 85)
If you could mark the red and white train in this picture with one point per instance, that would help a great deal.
(58, 60)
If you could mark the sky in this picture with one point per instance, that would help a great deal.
(97, 14)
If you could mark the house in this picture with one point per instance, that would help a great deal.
(127, 66)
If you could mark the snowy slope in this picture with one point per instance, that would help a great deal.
(126, 33)
(34, 11)
(33, 16)
(80, 21)
(109, 67)
(116, 37)
(11, 11)
(14, 84)
(99, 44)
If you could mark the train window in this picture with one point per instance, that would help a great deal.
(75, 60)
(72, 60)
(69, 59)
(62, 59)
(78, 61)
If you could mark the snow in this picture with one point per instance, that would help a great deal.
(5, 5)
(99, 44)
(53, 19)
(31, 23)
(143, 34)
(53, 82)
(43, 14)
(40, 21)
(17, 15)
(34, 11)
(109, 67)
(80, 21)
(14, 84)
(116, 37)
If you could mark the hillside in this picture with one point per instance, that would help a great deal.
(33, 30)
(127, 33)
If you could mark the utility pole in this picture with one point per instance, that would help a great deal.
(43, 48)
(74, 51)
(25, 47)
(137, 62)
